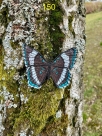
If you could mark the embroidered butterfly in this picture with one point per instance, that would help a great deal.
(38, 69)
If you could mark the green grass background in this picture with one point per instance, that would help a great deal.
(92, 125)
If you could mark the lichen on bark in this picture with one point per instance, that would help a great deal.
(47, 111)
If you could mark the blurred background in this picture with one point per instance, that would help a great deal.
(92, 125)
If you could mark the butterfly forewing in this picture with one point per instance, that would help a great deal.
(33, 57)
(66, 59)
(72, 54)
(37, 67)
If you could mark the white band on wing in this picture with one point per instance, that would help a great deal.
(32, 57)
(62, 76)
(66, 60)
(66, 64)
(35, 76)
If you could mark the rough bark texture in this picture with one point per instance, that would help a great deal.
(49, 111)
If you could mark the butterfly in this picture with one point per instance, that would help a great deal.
(38, 69)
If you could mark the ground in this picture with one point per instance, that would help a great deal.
(93, 76)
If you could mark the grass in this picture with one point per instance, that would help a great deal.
(93, 76)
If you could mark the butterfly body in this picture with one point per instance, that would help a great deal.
(38, 69)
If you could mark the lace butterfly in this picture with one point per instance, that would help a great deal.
(38, 69)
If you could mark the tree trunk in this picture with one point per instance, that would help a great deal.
(50, 29)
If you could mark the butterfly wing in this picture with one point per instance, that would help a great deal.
(60, 68)
(36, 76)
(36, 67)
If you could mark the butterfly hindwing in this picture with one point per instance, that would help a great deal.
(66, 81)
(61, 66)
(36, 67)
(36, 75)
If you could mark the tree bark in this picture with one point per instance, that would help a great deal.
(49, 111)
